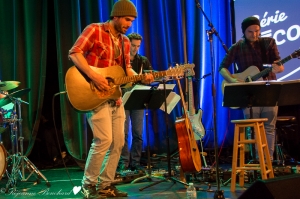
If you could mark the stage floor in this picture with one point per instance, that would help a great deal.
(64, 184)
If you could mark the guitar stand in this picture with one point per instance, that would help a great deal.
(202, 182)
(169, 177)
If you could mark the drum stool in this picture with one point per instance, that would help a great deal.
(284, 124)
(239, 146)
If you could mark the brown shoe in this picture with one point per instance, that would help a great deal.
(112, 191)
(90, 192)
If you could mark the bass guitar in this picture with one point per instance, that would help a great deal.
(85, 96)
(189, 154)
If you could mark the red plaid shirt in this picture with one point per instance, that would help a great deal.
(244, 55)
(97, 46)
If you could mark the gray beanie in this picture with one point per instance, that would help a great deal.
(123, 8)
(248, 22)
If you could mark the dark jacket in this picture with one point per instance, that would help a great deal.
(140, 63)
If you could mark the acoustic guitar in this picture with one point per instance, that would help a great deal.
(85, 96)
(252, 73)
(189, 154)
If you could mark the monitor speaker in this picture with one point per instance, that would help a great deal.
(276, 188)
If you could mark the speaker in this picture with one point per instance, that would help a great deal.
(276, 188)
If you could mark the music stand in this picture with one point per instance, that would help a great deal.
(155, 103)
(261, 93)
(251, 94)
(286, 96)
(146, 99)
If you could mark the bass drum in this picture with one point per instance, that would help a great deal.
(3, 160)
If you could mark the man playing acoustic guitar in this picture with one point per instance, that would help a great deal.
(104, 45)
(253, 50)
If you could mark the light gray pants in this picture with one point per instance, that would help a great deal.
(270, 125)
(107, 124)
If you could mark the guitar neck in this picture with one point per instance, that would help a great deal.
(136, 78)
(286, 59)
(182, 98)
(261, 74)
(173, 72)
(267, 70)
(191, 97)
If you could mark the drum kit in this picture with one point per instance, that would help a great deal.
(13, 163)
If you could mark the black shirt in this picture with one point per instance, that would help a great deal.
(140, 63)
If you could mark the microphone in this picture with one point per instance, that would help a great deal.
(204, 76)
(197, 3)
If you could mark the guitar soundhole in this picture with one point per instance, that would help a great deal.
(110, 81)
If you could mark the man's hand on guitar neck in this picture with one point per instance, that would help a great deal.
(277, 67)
(148, 77)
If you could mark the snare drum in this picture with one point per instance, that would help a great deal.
(3, 160)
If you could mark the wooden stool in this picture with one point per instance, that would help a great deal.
(239, 146)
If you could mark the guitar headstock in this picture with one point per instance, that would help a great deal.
(189, 71)
(179, 70)
(296, 54)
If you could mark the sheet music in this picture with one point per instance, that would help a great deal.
(136, 87)
(172, 100)
(168, 86)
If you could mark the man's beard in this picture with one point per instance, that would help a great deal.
(252, 39)
(118, 27)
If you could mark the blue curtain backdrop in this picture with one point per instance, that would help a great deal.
(173, 32)
(176, 32)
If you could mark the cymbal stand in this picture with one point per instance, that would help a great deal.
(17, 158)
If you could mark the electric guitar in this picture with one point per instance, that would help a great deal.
(252, 73)
(194, 117)
(85, 96)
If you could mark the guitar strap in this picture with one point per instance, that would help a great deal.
(123, 56)
(263, 53)
(263, 56)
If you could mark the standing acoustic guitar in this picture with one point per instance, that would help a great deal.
(188, 150)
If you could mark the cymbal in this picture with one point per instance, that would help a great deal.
(8, 85)
(16, 94)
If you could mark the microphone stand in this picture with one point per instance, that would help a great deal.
(219, 194)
